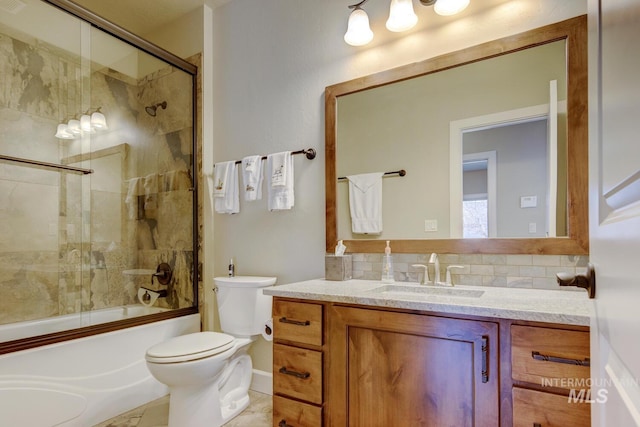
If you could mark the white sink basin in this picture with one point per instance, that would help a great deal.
(415, 290)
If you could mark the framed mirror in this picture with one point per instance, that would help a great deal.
(432, 117)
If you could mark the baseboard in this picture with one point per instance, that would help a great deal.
(262, 382)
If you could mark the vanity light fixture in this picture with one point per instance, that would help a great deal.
(401, 17)
(88, 123)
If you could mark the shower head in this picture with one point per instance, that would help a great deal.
(151, 110)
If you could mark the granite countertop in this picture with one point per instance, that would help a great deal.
(553, 306)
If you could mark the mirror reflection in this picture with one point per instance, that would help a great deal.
(484, 146)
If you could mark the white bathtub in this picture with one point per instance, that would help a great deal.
(82, 382)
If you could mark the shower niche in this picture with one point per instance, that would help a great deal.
(97, 165)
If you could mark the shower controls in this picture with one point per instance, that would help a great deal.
(163, 273)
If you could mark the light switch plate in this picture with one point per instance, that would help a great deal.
(528, 201)
(430, 225)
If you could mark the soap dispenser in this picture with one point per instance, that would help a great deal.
(387, 265)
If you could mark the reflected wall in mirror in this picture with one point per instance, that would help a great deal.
(498, 97)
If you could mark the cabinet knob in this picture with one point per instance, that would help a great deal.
(283, 423)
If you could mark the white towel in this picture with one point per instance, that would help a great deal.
(134, 190)
(280, 184)
(226, 194)
(220, 173)
(279, 168)
(252, 177)
(365, 202)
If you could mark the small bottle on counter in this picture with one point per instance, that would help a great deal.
(387, 265)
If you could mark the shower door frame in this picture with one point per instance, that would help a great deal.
(191, 69)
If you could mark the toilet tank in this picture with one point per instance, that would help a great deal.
(242, 306)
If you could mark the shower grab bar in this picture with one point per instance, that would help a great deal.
(46, 164)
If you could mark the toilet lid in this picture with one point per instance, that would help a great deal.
(189, 347)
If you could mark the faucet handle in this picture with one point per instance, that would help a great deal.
(448, 277)
(425, 278)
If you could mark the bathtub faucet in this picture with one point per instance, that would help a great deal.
(163, 273)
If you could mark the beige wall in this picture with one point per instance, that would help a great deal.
(271, 62)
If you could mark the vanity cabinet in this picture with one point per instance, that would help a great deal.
(550, 372)
(339, 365)
(391, 368)
(298, 381)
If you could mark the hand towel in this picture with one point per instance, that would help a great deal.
(151, 188)
(252, 177)
(220, 173)
(229, 202)
(134, 191)
(280, 169)
(365, 202)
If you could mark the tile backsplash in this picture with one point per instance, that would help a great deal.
(502, 270)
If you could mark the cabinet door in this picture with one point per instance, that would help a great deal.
(389, 368)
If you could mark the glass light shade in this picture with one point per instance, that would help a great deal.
(63, 132)
(358, 31)
(74, 127)
(98, 121)
(401, 16)
(85, 123)
(450, 7)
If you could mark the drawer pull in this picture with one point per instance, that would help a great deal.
(301, 375)
(295, 322)
(534, 425)
(537, 356)
(283, 423)
(485, 359)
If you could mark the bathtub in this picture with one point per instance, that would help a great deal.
(81, 382)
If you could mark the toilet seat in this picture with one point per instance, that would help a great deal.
(185, 348)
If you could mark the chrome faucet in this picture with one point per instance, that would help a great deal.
(425, 277)
(434, 260)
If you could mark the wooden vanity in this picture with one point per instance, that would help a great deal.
(346, 364)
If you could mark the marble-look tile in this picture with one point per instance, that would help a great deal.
(156, 414)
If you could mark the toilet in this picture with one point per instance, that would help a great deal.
(209, 373)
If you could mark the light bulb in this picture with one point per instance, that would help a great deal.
(63, 132)
(98, 121)
(74, 126)
(358, 31)
(401, 16)
(450, 7)
(85, 123)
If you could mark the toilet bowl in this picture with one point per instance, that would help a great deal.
(209, 373)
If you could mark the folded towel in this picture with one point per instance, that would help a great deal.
(151, 188)
(280, 169)
(365, 202)
(220, 173)
(252, 177)
(134, 191)
(229, 202)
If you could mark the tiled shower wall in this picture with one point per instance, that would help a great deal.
(67, 240)
(514, 271)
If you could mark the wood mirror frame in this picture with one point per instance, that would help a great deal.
(574, 33)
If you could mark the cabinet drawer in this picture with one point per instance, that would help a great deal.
(297, 372)
(547, 357)
(534, 408)
(297, 321)
(291, 413)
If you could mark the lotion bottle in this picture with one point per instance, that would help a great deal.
(387, 265)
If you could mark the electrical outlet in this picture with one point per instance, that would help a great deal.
(430, 225)
(533, 227)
